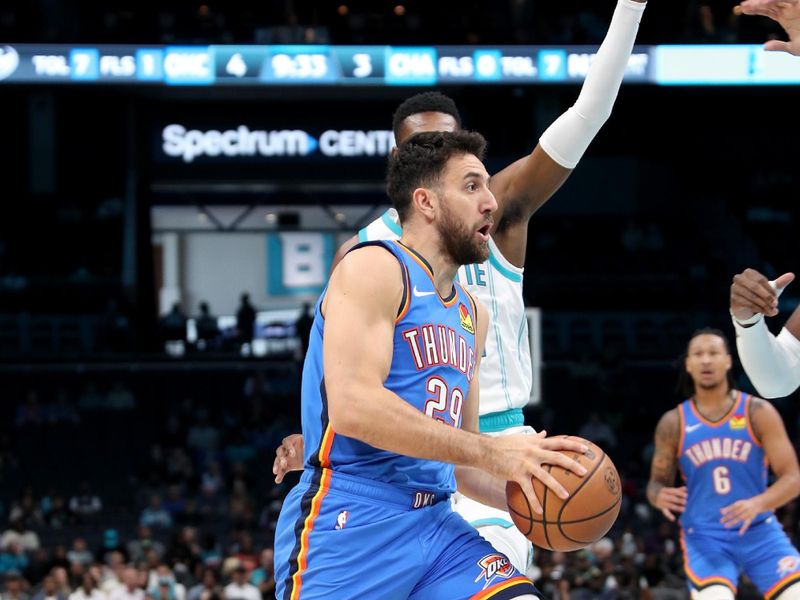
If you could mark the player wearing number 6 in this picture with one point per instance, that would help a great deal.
(723, 441)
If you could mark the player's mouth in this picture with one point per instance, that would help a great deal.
(483, 232)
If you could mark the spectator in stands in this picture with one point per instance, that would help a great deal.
(598, 432)
(130, 589)
(202, 435)
(207, 328)
(144, 543)
(112, 551)
(20, 535)
(239, 588)
(245, 320)
(13, 558)
(120, 397)
(58, 515)
(163, 575)
(13, 587)
(90, 399)
(85, 504)
(49, 590)
(80, 553)
(88, 589)
(61, 577)
(26, 509)
(208, 587)
(185, 548)
(112, 571)
(155, 515)
(39, 565)
(173, 324)
(264, 576)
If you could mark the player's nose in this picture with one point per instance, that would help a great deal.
(489, 202)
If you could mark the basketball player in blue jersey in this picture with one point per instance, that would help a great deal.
(520, 189)
(723, 442)
(389, 406)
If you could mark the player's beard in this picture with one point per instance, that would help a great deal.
(460, 242)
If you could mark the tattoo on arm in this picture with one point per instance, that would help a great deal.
(665, 460)
(756, 406)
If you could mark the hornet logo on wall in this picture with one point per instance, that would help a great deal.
(189, 144)
(9, 61)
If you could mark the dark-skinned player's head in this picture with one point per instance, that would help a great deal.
(707, 363)
(428, 111)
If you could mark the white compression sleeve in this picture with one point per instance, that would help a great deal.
(772, 363)
(569, 136)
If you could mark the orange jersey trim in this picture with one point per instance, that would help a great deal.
(416, 259)
(308, 527)
(499, 587)
(699, 582)
(325, 447)
(752, 433)
(406, 303)
(777, 587)
(682, 434)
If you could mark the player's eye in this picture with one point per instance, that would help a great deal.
(471, 187)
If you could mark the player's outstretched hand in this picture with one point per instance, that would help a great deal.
(752, 293)
(671, 500)
(288, 456)
(785, 12)
(743, 511)
(520, 457)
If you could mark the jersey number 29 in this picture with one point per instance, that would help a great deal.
(443, 403)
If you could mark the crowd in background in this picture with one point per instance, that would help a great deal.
(183, 507)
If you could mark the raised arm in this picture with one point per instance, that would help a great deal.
(660, 491)
(772, 363)
(525, 185)
(769, 429)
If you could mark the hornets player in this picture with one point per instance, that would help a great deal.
(723, 441)
(520, 189)
(389, 405)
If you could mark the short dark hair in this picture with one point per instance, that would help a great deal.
(425, 102)
(685, 385)
(421, 159)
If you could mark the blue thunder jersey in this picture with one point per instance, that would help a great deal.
(721, 462)
(433, 363)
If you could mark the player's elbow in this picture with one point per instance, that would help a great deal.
(343, 413)
(794, 484)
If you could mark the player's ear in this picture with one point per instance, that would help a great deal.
(424, 199)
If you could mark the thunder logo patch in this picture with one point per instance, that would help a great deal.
(466, 319)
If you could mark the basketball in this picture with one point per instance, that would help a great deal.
(584, 517)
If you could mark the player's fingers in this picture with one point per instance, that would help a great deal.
(530, 494)
(563, 443)
(666, 512)
(743, 297)
(757, 284)
(551, 482)
(745, 526)
(784, 280)
(562, 460)
(777, 46)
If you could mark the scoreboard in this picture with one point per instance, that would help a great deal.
(383, 65)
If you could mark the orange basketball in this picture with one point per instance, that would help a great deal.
(584, 517)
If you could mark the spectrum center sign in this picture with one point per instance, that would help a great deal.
(181, 143)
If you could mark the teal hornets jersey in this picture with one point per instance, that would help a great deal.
(433, 363)
(721, 461)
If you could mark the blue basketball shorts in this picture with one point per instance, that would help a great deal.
(340, 536)
(764, 553)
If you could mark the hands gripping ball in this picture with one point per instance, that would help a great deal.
(584, 517)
